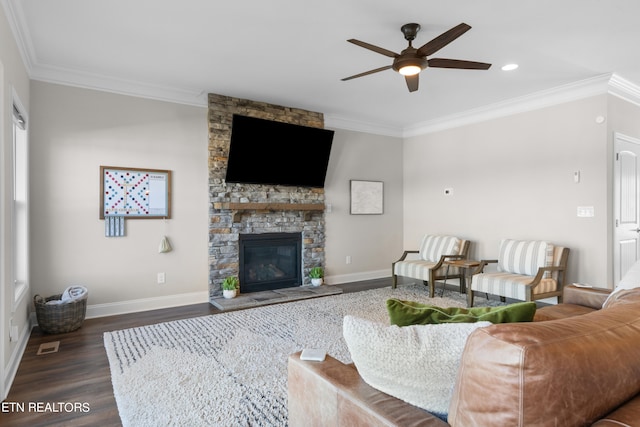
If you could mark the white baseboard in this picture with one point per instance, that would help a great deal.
(358, 277)
(145, 304)
(14, 362)
(155, 303)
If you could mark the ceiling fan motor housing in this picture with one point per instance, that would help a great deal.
(408, 57)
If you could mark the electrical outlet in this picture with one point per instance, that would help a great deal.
(348, 260)
(161, 278)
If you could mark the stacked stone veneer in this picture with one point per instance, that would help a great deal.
(223, 231)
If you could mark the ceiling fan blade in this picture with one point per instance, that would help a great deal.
(366, 73)
(443, 39)
(457, 63)
(412, 82)
(374, 48)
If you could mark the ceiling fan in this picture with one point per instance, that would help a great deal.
(411, 61)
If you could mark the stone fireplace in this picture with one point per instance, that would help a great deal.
(237, 210)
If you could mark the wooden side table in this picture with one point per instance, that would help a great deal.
(465, 265)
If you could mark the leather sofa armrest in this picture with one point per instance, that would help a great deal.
(588, 297)
(626, 415)
(330, 393)
(576, 301)
(518, 364)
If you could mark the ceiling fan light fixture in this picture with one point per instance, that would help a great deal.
(409, 70)
(409, 63)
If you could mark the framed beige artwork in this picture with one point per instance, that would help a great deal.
(367, 197)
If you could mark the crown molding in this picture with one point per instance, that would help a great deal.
(602, 84)
(623, 88)
(570, 92)
(120, 86)
(331, 121)
(20, 31)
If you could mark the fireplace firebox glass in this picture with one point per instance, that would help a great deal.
(270, 261)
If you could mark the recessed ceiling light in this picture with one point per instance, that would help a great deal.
(509, 67)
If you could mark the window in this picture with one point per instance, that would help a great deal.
(20, 213)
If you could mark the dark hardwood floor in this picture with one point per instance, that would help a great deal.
(73, 386)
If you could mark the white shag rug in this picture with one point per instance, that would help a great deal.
(230, 369)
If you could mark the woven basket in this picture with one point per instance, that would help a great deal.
(59, 318)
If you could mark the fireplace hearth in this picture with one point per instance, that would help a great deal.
(270, 261)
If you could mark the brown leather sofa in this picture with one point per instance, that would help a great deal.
(576, 365)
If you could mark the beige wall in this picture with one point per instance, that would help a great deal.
(74, 132)
(623, 117)
(14, 81)
(512, 177)
(372, 241)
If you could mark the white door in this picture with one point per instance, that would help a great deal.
(626, 248)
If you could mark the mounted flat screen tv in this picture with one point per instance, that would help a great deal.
(270, 152)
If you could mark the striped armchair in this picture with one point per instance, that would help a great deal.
(527, 270)
(428, 265)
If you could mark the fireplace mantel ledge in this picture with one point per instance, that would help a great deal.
(238, 208)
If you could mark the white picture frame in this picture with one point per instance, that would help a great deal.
(135, 193)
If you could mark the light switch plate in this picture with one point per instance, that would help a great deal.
(585, 211)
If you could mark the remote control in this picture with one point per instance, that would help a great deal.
(313, 354)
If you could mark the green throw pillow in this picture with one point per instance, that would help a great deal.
(405, 313)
